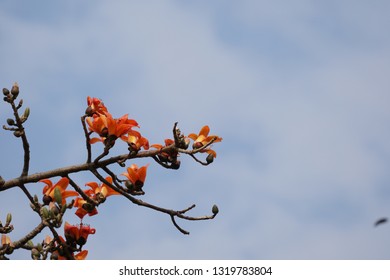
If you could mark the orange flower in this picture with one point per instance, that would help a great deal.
(170, 156)
(203, 138)
(84, 208)
(136, 177)
(102, 190)
(106, 126)
(77, 233)
(96, 106)
(48, 190)
(96, 192)
(136, 141)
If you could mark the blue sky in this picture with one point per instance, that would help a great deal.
(299, 90)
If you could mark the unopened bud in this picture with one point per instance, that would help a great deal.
(57, 195)
(10, 122)
(26, 113)
(18, 133)
(39, 247)
(44, 213)
(15, 90)
(35, 255)
(2, 181)
(215, 209)
(209, 158)
(8, 219)
(175, 165)
(5, 91)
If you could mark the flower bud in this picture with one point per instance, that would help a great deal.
(209, 158)
(10, 122)
(26, 113)
(39, 247)
(2, 181)
(57, 196)
(8, 219)
(15, 90)
(5, 91)
(35, 255)
(215, 209)
(175, 165)
(18, 133)
(44, 213)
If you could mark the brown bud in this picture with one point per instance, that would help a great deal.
(5, 91)
(15, 90)
(10, 122)
(215, 209)
(18, 133)
(209, 158)
(175, 165)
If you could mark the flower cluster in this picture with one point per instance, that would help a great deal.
(101, 122)
(106, 129)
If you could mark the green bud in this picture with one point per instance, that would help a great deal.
(35, 255)
(215, 209)
(209, 158)
(10, 122)
(26, 113)
(57, 196)
(44, 213)
(39, 247)
(9, 219)
(30, 243)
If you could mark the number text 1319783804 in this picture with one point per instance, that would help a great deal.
(241, 270)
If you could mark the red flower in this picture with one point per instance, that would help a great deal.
(77, 233)
(96, 192)
(96, 106)
(62, 184)
(136, 177)
(106, 126)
